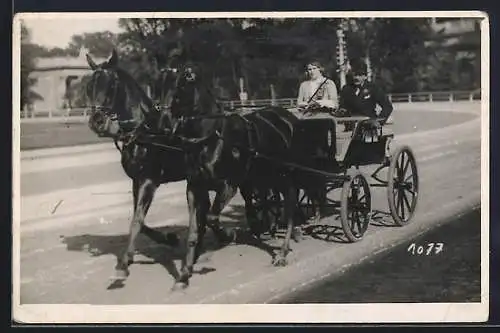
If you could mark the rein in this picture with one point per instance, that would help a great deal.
(319, 87)
(128, 138)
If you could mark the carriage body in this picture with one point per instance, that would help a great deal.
(340, 143)
(329, 154)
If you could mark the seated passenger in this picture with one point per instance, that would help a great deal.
(317, 94)
(361, 97)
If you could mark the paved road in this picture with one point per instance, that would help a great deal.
(447, 269)
(75, 212)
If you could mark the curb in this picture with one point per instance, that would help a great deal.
(94, 147)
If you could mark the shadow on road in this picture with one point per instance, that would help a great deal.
(167, 244)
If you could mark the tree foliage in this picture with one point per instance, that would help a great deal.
(264, 52)
(29, 53)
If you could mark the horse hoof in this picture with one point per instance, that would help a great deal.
(120, 275)
(233, 237)
(297, 235)
(179, 285)
(315, 219)
(280, 262)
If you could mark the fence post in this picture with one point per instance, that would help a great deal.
(451, 97)
(471, 97)
(430, 97)
(409, 98)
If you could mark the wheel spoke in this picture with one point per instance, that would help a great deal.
(358, 222)
(352, 220)
(401, 196)
(413, 193)
(405, 199)
(397, 173)
(408, 178)
(400, 165)
(398, 202)
(406, 165)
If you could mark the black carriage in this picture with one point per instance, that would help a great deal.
(333, 151)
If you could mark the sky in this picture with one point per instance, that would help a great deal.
(57, 32)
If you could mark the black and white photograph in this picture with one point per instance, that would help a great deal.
(256, 167)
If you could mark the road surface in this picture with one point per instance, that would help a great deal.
(440, 272)
(75, 211)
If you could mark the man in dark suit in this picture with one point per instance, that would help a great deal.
(360, 97)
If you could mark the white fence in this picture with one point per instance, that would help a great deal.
(284, 102)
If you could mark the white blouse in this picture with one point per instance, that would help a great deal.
(326, 96)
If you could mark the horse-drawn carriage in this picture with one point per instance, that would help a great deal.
(333, 150)
(192, 139)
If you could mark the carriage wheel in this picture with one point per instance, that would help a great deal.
(355, 209)
(402, 187)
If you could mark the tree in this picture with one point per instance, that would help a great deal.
(396, 47)
(99, 44)
(28, 54)
(274, 51)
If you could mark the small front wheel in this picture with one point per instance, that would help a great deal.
(355, 209)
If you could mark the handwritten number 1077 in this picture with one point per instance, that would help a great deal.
(428, 249)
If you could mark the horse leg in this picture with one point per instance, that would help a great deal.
(250, 213)
(290, 206)
(201, 220)
(315, 202)
(222, 198)
(270, 221)
(143, 192)
(195, 198)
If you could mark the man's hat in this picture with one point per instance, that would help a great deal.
(359, 66)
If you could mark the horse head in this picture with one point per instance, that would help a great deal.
(103, 91)
(196, 117)
(117, 102)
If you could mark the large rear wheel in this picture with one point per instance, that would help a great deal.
(402, 185)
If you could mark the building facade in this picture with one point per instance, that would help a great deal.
(462, 37)
(54, 79)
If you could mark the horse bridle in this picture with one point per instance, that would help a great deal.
(105, 108)
(109, 109)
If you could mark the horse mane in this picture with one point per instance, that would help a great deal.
(137, 97)
(274, 129)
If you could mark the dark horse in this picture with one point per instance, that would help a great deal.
(196, 115)
(244, 150)
(150, 155)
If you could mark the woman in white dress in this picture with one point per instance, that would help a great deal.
(317, 98)
(317, 93)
